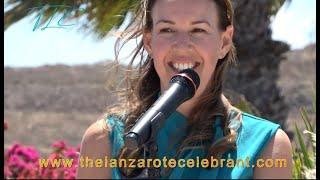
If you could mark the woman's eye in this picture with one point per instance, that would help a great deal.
(197, 30)
(166, 30)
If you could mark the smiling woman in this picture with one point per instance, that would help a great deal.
(190, 35)
(178, 35)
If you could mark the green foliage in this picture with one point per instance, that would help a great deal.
(304, 161)
(244, 106)
(275, 5)
(101, 15)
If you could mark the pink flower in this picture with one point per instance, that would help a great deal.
(22, 162)
(70, 173)
(59, 145)
(12, 149)
(28, 153)
(16, 161)
(71, 153)
(7, 172)
(54, 156)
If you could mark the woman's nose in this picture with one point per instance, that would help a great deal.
(182, 40)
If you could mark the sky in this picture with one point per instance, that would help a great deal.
(23, 47)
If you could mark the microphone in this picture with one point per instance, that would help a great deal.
(182, 88)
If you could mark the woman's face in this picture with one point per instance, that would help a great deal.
(186, 34)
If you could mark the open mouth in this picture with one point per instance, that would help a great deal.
(181, 66)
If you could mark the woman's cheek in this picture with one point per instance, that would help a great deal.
(159, 48)
(163, 42)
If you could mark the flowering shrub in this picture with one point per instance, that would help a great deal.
(23, 162)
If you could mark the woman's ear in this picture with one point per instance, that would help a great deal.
(147, 41)
(226, 44)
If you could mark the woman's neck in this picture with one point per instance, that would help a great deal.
(186, 107)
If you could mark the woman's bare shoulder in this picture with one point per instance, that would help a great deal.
(279, 149)
(96, 135)
(95, 145)
(97, 131)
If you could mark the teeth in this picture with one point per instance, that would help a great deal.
(182, 66)
(185, 66)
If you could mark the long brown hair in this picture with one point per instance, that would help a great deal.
(143, 87)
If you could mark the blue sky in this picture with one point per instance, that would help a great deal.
(23, 47)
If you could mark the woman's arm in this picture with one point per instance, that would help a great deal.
(278, 148)
(95, 145)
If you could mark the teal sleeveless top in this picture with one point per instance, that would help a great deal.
(254, 133)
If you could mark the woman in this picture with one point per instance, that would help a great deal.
(180, 34)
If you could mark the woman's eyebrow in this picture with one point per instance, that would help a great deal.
(192, 23)
(165, 21)
(201, 22)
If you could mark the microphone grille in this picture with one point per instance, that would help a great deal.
(188, 78)
(193, 75)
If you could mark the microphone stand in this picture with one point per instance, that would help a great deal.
(150, 151)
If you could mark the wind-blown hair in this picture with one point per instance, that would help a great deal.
(143, 87)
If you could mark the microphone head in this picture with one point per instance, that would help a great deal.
(193, 75)
(188, 77)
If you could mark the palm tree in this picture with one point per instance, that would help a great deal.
(259, 56)
(100, 15)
